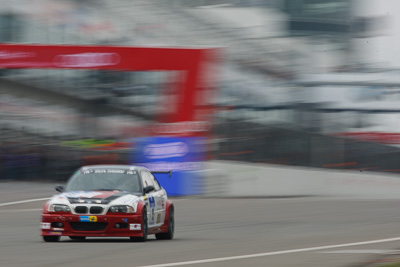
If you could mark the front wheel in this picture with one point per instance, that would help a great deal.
(144, 229)
(171, 228)
(51, 238)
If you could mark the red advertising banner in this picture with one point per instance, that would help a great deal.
(190, 112)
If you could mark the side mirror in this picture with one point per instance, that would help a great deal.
(148, 189)
(59, 188)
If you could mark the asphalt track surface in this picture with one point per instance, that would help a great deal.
(310, 231)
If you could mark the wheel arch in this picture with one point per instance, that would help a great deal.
(140, 206)
(169, 206)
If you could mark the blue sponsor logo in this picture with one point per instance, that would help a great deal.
(88, 218)
(84, 219)
(152, 202)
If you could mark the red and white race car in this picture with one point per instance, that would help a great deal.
(109, 201)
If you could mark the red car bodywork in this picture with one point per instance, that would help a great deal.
(107, 228)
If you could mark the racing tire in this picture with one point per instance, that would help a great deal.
(171, 228)
(144, 227)
(51, 238)
(77, 237)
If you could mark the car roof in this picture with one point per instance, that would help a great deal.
(114, 166)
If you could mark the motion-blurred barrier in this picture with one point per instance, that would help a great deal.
(238, 179)
(251, 142)
(51, 162)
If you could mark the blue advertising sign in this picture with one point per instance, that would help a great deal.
(182, 155)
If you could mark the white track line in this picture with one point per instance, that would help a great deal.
(272, 253)
(22, 201)
(364, 251)
(20, 210)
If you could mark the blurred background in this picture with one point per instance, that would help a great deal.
(299, 82)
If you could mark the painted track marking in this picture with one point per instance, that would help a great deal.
(363, 251)
(273, 253)
(20, 210)
(23, 201)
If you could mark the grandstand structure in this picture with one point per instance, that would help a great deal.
(258, 58)
(273, 57)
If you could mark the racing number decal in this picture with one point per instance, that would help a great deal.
(152, 204)
(93, 219)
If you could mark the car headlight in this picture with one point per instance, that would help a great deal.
(59, 208)
(121, 209)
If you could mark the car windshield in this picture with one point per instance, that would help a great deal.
(104, 179)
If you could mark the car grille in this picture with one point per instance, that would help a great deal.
(89, 210)
(88, 226)
(96, 210)
(81, 209)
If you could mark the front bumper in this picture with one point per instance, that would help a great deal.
(99, 225)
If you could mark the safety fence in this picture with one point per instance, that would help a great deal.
(250, 142)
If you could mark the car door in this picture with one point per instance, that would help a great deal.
(161, 201)
(150, 198)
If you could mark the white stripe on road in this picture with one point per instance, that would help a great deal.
(273, 253)
(23, 201)
(363, 251)
(20, 210)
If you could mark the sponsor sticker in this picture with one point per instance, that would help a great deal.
(58, 229)
(109, 171)
(45, 225)
(88, 218)
(135, 227)
(160, 202)
(152, 202)
(55, 233)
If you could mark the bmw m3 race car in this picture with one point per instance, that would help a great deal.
(109, 201)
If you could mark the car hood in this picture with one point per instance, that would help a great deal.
(96, 197)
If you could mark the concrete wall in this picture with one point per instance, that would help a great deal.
(234, 179)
